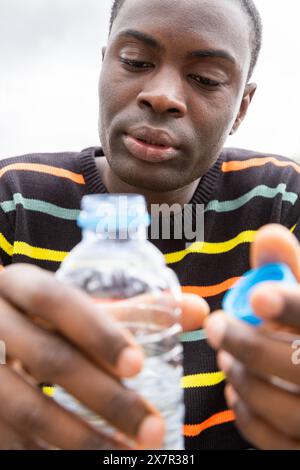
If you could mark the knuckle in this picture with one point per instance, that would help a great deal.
(53, 359)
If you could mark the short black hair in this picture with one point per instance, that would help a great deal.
(254, 19)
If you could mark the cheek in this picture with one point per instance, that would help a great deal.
(213, 119)
(106, 96)
(115, 94)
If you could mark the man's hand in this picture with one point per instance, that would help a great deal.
(261, 364)
(55, 333)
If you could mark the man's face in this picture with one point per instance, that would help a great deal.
(174, 76)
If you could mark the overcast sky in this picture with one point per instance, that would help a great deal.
(50, 59)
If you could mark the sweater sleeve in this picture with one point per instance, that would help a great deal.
(291, 217)
(7, 215)
(6, 238)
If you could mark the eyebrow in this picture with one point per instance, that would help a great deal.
(152, 42)
(149, 40)
(213, 53)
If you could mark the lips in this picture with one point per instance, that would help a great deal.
(153, 136)
(150, 145)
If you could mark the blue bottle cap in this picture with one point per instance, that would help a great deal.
(237, 300)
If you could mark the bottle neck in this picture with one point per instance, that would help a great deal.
(138, 233)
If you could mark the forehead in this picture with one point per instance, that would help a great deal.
(186, 23)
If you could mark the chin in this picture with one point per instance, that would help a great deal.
(149, 184)
(155, 180)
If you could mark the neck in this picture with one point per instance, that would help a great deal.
(114, 184)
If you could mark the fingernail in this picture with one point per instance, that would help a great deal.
(225, 361)
(130, 362)
(231, 396)
(199, 301)
(215, 327)
(151, 432)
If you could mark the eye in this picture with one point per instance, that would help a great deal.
(206, 82)
(135, 64)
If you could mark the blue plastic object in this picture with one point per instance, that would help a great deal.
(237, 300)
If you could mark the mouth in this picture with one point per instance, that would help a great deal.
(150, 145)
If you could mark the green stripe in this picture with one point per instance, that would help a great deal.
(39, 206)
(217, 206)
(192, 336)
(262, 191)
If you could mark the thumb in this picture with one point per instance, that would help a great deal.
(276, 244)
(194, 311)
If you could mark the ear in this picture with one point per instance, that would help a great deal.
(103, 52)
(247, 98)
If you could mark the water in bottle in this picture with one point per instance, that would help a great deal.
(114, 262)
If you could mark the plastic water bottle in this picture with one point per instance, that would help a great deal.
(113, 262)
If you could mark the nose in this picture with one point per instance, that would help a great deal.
(163, 94)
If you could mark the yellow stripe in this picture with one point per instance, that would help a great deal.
(49, 391)
(5, 245)
(202, 380)
(22, 248)
(211, 248)
(294, 228)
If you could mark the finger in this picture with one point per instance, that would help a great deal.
(73, 314)
(163, 311)
(274, 243)
(255, 430)
(262, 353)
(35, 416)
(277, 407)
(194, 309)
(50, 359)
(277, 302)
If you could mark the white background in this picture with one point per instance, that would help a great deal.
(50, 59)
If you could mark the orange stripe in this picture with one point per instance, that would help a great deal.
(192, 430)
(255, 162)
(50, 170)
(210, 291)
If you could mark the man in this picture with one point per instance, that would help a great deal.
(174, 85)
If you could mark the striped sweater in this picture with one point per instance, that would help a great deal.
(40, 198)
